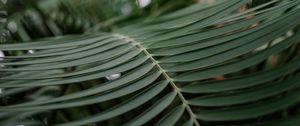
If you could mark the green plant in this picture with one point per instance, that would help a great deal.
(206, 64)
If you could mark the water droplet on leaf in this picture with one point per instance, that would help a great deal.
(113, 76)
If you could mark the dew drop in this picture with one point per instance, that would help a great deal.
(1, 57)
(31, 51)
(113, 76)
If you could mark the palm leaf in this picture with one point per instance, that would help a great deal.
(167, 67)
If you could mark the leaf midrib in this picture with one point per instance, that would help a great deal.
(164, 73)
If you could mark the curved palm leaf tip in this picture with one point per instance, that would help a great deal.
(167, 68)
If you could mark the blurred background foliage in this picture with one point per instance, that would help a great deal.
(47, 18)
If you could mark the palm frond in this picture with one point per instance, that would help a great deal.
(168, 67)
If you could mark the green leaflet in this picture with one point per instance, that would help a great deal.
(247, 95)
(188, 10)
(219, 31)
(172, 117)
(193, 38)
(243, 81)
(288, 121)
(190, 15)
(188, 123)
(250, 111)
(126, 106)
(49, 44)
(107, 94)
(81, 61)
(154, 110)
(82, 100)
(146, 68)
(89, 69)
(76, 55)
(193, 27)
(191, 18)
(231, 67)
(53, 52)
(221, 57)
